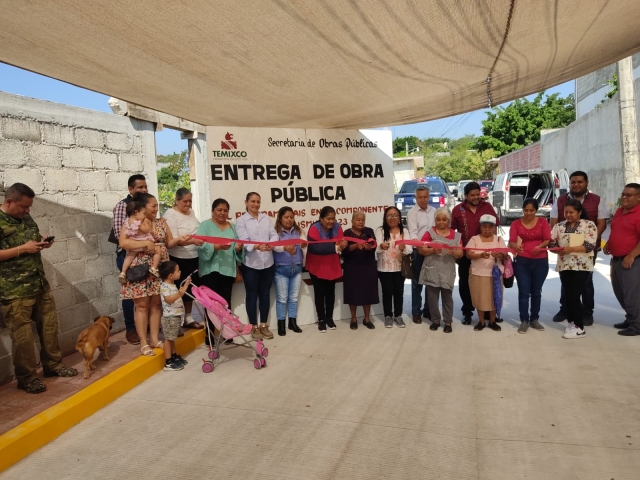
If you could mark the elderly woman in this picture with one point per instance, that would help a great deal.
(289, 261)
(576, 237)
(323, 265)
(481, 276)
(360, 277)
(528, 236)
(182, 221)
(439, 268)
(146, 293)
(389, 254)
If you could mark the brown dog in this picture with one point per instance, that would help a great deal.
(95, 336)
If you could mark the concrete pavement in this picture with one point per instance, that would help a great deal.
(388, 403)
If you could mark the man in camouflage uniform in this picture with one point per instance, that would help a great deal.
(25, 294)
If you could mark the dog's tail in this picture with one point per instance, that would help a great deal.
(80, 344)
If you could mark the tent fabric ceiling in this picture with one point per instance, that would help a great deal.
(316, 63)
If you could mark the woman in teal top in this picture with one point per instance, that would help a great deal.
(218, 264)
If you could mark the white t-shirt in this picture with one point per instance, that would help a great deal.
(181, 224)
(175, 309)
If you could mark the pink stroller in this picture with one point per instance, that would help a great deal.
(228, 325)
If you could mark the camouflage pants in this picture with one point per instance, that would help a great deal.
(18, 315)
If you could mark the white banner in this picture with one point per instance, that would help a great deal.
(349, 170)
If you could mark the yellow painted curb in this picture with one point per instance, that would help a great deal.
(27, 437)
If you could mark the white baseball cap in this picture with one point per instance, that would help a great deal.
(488, 219)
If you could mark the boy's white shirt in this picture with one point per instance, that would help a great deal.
(175, 309)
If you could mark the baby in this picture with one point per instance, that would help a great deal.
(138, 227)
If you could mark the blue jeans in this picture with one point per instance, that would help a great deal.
(288, 280)
(417, 307)
(257, 284)
(530, 275)
(127, 305)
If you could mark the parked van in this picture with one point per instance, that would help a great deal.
(511, 188)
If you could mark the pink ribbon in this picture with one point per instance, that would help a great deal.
(277, 243)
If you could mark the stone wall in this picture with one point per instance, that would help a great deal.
(78, 162)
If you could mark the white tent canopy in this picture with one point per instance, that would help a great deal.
(316, 63)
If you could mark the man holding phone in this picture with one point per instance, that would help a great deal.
(25, 294)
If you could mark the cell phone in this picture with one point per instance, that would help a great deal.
(49, 239)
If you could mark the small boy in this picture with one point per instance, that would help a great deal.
(172, 312)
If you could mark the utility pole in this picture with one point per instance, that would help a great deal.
(628, 122)
(406, 148)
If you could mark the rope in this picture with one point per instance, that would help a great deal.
(495, 61)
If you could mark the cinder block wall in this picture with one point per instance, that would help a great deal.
(78, 162)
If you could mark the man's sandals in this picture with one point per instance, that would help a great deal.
(36, 385)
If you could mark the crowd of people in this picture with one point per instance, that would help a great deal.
(158, 258)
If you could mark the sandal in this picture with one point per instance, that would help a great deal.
(34, 386)
(147, 353)
(160, 345)
(194, 325)
(63, 372)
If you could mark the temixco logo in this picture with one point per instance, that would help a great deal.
(229, 148)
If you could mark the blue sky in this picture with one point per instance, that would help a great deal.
(22, 82)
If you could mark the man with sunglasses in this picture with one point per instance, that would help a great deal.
(624, 248)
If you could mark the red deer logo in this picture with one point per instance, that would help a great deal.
(228, 143)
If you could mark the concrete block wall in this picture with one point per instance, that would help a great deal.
(592, 144)
(78, 162)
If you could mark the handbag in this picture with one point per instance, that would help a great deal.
(137, 273)
(508, 276)
(407, 270)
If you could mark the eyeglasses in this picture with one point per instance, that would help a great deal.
(393, 216)
(627, 195)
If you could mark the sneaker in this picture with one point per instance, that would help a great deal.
(569, 327)
(495, 327)
(322, 326)
(479, 326)
(575, 332)
(388, 322)
(266, 333)
(434, 326)
(179, 359)
(173, 366)
(255, 331)
(466, 320)
(535, 324)
(524, 326)
(399, 322)
(560, 316)
(369, 324)
(499, 320)
(122, 278)
(447, 328)
(330, 324)
(588, 319)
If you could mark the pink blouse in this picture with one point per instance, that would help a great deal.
(531, 237)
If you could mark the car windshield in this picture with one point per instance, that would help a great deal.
(486, 183)
(434, 187)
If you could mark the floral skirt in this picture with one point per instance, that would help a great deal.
(148, 287)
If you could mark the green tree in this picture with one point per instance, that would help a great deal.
(173, 176)
(518, 124)
(399, 144)
(463, 164)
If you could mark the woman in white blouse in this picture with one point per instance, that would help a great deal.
(182, 221)
(389, 255)
(576, 237)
